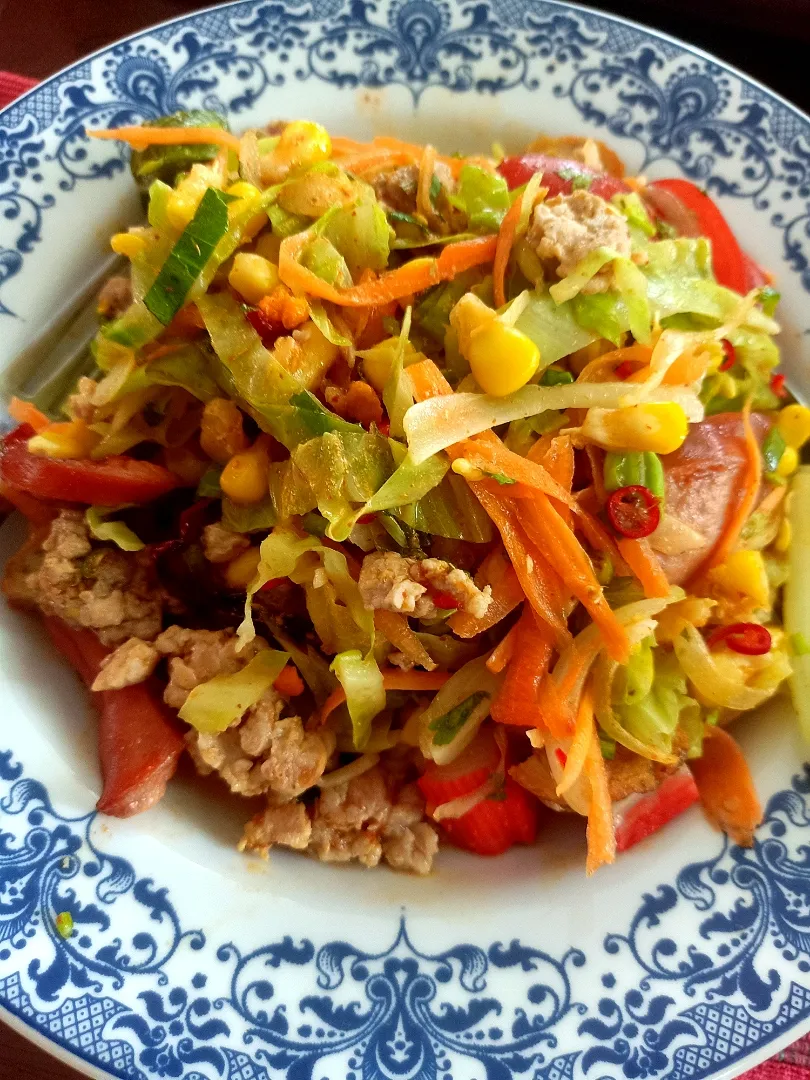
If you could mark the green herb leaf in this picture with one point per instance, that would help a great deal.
(769, 298)
(188, 257)
(501, 478)
(608, 747)
(208, 487)
(556, 377)
(435, 188)
(773, 447)
(446, 727)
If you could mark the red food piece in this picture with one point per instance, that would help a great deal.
(138, 744)
(633, 511)
(748, 638)
(267, 330)
(755, 276)
(730, 356)
(729, 263)
(778, 385)
(702, 481)
(639, 816)
(112, 480)
(624, 370)
(519, 170)
(444, 600)
(496, 823)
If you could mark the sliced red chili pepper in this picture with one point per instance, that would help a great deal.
(778, 385)
(747, 638)
(273, 583)
(444, 600)
(366, 519)
(384, 427)
(730, 356)
(267, 330)
(633, 511)
(624, 370)
(561, 756)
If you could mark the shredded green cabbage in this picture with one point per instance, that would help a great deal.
(362, 683)
(116, 532)
(552, 327)
(483, 196)
(213, 706)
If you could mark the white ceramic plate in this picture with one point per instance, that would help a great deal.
(688, 958)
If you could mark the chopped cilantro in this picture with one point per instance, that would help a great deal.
(608, 747)
(435, 188)
(553, 376)
(502, 478)
(768, 299)
(446, 727)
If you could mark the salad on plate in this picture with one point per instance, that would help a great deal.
(418, 496)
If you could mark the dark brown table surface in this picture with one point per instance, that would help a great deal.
(768, 38)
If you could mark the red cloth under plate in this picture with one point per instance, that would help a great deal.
(791, 1064)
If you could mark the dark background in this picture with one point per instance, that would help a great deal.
(769, 39)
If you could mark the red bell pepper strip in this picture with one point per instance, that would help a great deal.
(496, 823)
(730, 265)
(639, 816)
(107, 482)
(138, 743)
(519, 170)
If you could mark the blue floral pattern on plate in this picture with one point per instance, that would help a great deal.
(400, 1013)
(713, 964)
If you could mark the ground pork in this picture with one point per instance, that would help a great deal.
(81, 404)
(131, 663)
(220, 545)
(115, 297)
(100, 588)
(264, 753)
(287, 825)
(395, 583)
(568, 227)
(361, 820)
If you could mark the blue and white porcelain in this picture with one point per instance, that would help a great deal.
(689, 958)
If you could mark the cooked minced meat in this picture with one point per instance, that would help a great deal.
(395, 583)
(567, 228)
(100, 588)
(220, 545)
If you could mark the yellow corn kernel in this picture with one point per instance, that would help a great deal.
(302, 142)
(71, 439)
(788, 463)
(252, 276)
(784, 536)
(794, 425)
(469, 314)
(181, 205)
(502, 359)
(465, 469)
(743, 572)
(660, 428)
(243, 190)
(129, 244)
(245, 479)
(221, 432)
(242, 570)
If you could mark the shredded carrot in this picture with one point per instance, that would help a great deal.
(492, 456)
(26, 413)
(644, 563)
(141, 137)
(502, 654)
(395, 628)
(580, 745)
(602, 368)
(726, 787)
(556, 455)
(601, 831)
(413, 277)
(426, 166)
(506, 239)
(393, 679)
(497, 572)
(427, 381)
(517, 701)
(289, 682)
(397, 152)
(550, 534)
(749, 488)
(540, 582)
